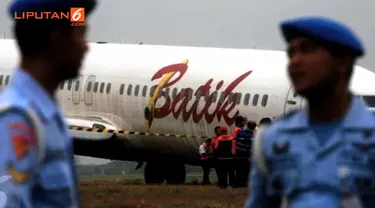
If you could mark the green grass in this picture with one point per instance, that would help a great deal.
(130, 191)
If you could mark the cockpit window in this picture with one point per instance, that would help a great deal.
(369, 100)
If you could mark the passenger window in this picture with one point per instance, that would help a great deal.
(62, 85)
(102, 87)
(246, 99)
(130, 89)
(255, 99)
(108, 90)
(230, 97)
(182, 93)
(221, 99)
(1, 79)
(214, 97)
(238, 97)
(7, 80)
(144, 91)
(166, 92)
(96, 85)
(174, 92)
(198, 94)
(70, 85)
(88, 86)
(152, 90)
(206, 95)
(122, 86)
(77, 86)
(264, 100)
(136, 90)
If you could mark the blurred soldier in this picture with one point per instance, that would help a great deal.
(320, 156)
(35, 145)
(204, 151)
(243, 148)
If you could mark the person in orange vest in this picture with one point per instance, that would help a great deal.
(224, 150)
(218, 132)
(204, 151)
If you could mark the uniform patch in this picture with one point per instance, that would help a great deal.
(18, 176)
(23, 139)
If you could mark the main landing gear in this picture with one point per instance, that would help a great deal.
(158, 172)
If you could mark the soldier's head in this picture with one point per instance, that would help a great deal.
(322, 54)
(53, 43)
(240, 121)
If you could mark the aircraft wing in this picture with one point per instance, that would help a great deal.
(114, 144)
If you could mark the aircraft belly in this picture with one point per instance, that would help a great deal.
(180, 147)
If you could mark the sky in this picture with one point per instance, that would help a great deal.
(216, 23)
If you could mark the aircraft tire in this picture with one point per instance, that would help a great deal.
(175, 174)
(154, 173)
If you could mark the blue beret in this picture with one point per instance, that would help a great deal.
(322, 29)
(50, 5)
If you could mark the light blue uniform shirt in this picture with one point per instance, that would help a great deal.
(51, 182)
(317, 166)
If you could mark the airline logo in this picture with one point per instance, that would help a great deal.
(150, 109)
(178, 104)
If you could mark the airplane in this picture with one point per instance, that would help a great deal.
(155, 104)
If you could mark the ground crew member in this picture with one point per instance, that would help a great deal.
(243, 149)
(239, 123)
(320, 156)
(204, 151)
(35, 145)
(218, 132)
(223, 152)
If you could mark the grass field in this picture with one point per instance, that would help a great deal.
(130, 192)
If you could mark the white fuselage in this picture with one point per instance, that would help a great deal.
(116, 85)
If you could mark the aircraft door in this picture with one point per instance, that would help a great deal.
(292, 102)
(76, 90)
(88, 91)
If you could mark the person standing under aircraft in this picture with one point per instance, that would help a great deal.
(322, 155)
(223, 152)
(218, 132)
(239, 123)
(243, 149)
(36, 149)
(204, 151)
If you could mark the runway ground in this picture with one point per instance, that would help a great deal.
(130, 192)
